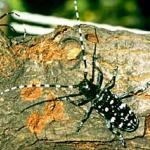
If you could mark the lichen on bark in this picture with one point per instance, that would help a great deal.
(52, 58)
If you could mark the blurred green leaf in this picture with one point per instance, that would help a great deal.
(115, 12)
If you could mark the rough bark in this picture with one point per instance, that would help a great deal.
(53, 58)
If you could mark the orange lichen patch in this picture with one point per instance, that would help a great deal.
(147, 134)
(18, 49)
(46, 50)
(53, 111)
(30, 94)
(36, 123)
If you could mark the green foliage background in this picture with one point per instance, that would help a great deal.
(113, 12)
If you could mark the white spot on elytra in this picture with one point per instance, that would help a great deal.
(130, 111)
(97, 95)
(111, 102)
(106, 109)
(100, 98)
(99, 106)
(86, 86)
(112, 119)
(129, 124)
(131, 121)
(115, 114)
(122, 106)
(115, 96)
(122, 114)
(120, 125)
(126, 118)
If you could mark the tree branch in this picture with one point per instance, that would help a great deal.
(53, 58)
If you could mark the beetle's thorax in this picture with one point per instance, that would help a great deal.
(88, 89)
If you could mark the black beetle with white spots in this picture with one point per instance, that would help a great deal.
(118, 115)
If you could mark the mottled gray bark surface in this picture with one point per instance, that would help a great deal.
(53, 59)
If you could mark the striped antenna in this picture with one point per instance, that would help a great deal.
(10, 26)
(9, 13)
(81, 38)
(7, 25)
(38, 85)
